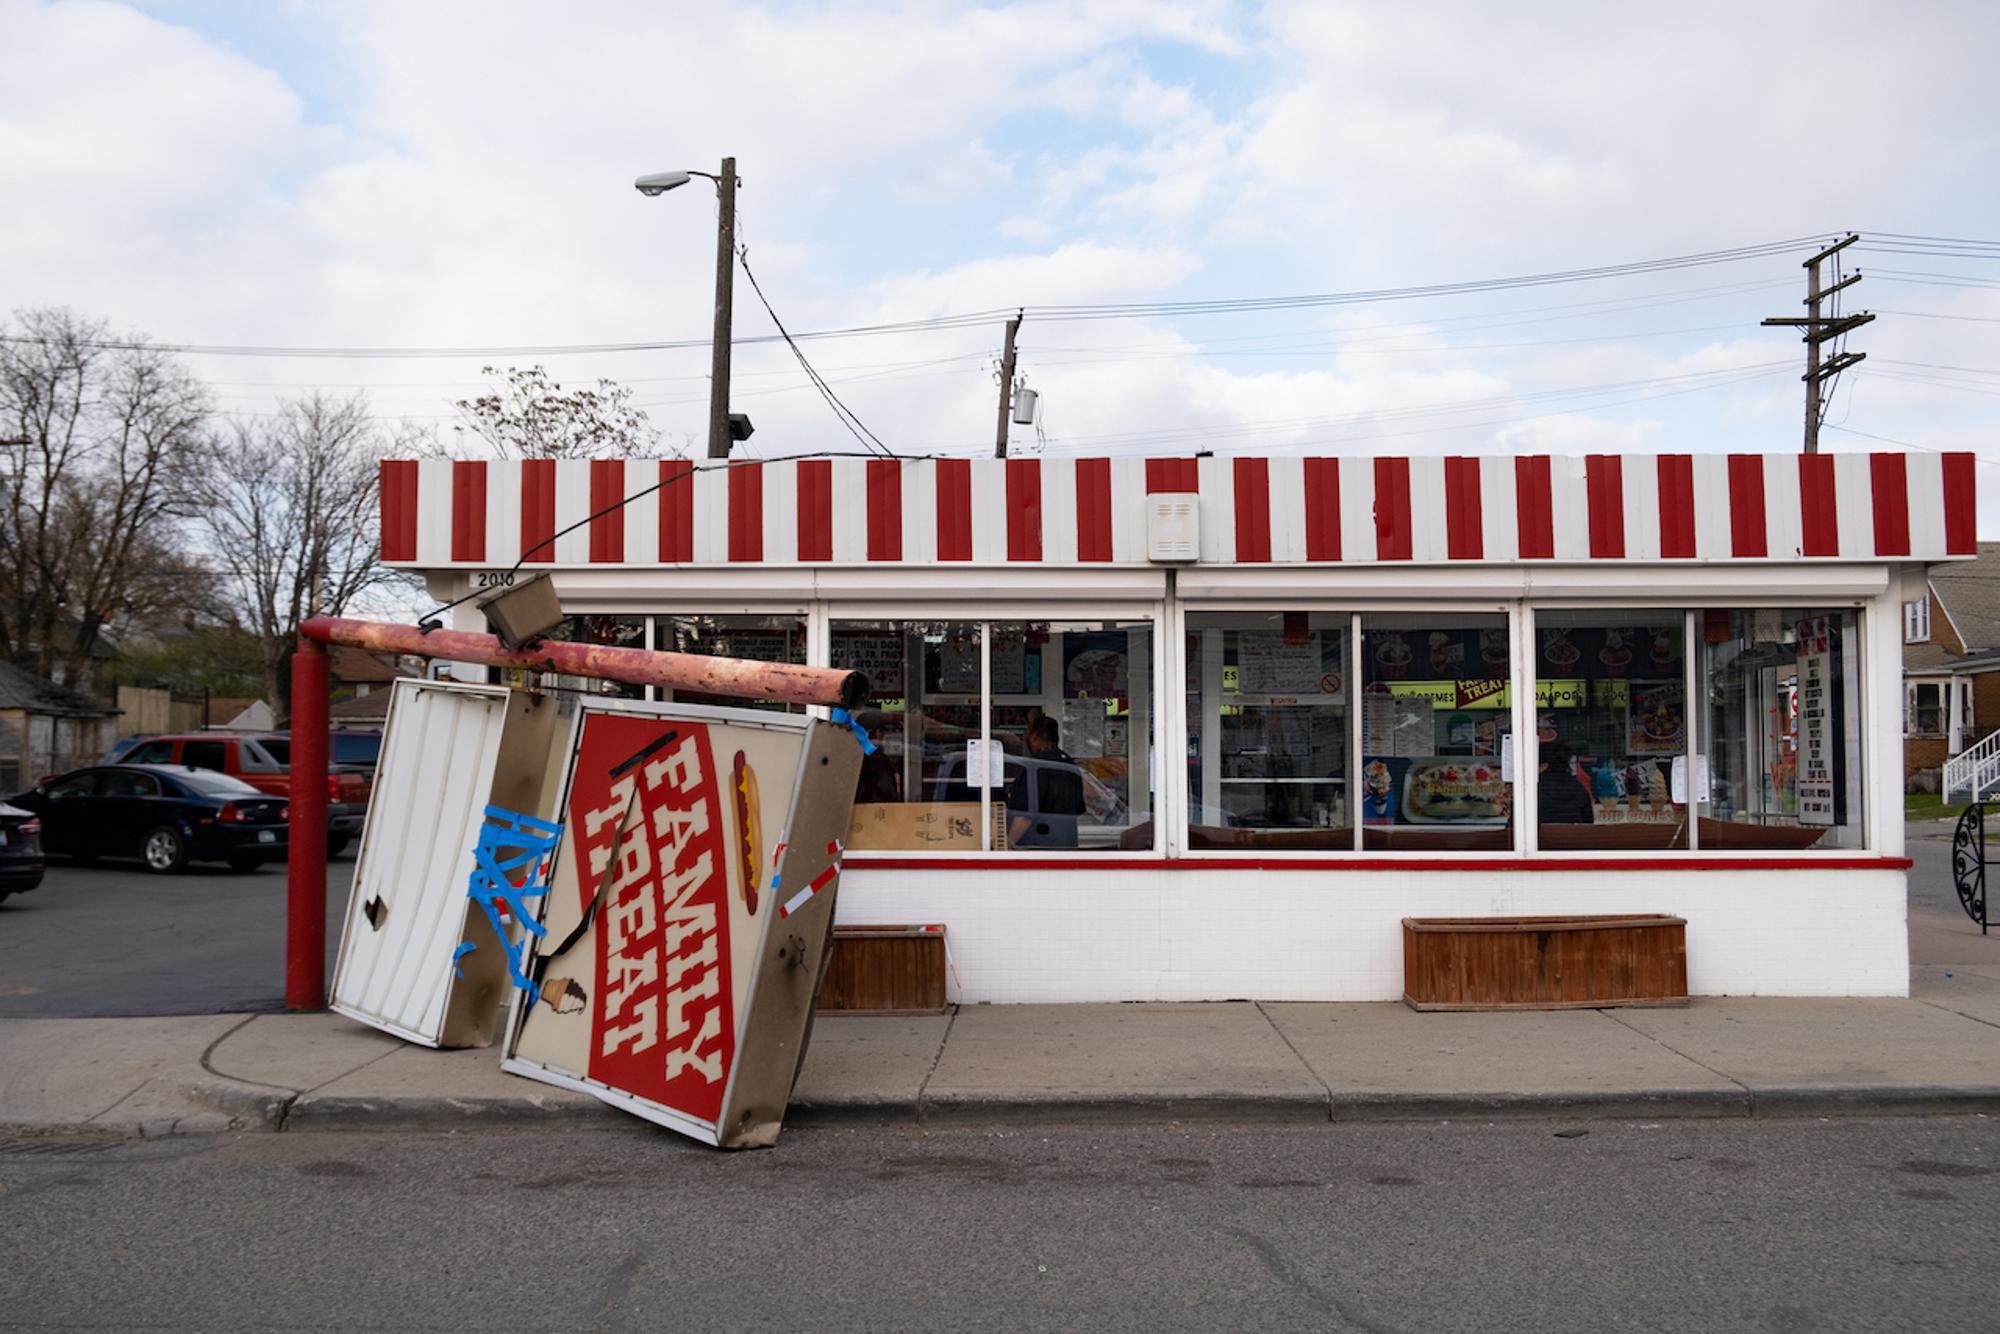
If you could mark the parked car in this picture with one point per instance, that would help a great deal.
(20, 850)
(263, 760)
(165, 814)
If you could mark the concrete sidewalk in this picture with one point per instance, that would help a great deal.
(1938, 1051)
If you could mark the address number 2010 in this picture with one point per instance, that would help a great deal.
(496, 579)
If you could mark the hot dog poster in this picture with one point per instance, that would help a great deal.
(652, 922)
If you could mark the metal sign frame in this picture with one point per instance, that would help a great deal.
(793, 922)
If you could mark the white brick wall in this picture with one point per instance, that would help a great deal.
(1140, 935)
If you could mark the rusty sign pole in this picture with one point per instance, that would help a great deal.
(305, 899)
(305, 849)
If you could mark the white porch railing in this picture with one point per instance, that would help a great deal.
(1974, 771)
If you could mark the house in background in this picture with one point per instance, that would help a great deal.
(1951, 673)
(48, 729)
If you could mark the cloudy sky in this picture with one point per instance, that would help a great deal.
(424, 175)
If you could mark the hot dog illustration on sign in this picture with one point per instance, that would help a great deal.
(662, 1019)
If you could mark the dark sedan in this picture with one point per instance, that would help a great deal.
(167, 815)
(20, 850)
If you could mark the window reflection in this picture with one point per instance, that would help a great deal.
(1435, 721)
(761, 638)
(1611, 729)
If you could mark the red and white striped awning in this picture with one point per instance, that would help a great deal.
(1253, 509)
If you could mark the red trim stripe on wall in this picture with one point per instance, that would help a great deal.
(607, 530)
(538, 511)
(815, 486)
(1535, 530)
(1819, 514)
(1172, 476)
(954, 509)
(1093, 509)
(885, 509)
(397, 482)
(1322, 509)
(1604, 492)
(1961, 506)
(1253, 510)
(676, 511)
(1677, 507)
(1464, 521)
(1024, 509)
(468, 510)
(1392, 509)
(1889, 482)
(746, 512)
(1746, 506)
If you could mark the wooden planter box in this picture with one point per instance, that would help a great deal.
(1544, 963)
(885, 970)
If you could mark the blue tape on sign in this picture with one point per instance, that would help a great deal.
(860, 732)
(510, 842)
(465, 948)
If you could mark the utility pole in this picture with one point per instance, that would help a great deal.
(1821, 329)
(725, 272)
(1006, 386)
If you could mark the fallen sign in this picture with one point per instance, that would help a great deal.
(681, 943)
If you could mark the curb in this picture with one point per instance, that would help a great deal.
(257, 1107)
(1150, 1108)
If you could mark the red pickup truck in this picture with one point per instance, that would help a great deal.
(264, 763)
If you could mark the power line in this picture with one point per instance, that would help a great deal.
(1040, 313)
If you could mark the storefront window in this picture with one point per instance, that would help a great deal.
(1072, 716)
(1436, 732)
(915, 793)
(1268, 730)
(1781, 729)
(780, 638)
(1611, 729)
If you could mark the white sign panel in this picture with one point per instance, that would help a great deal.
(1815, 722)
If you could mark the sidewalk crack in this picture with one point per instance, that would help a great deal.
(1749, 1094)
(356, 1070)
(923, 1089)
(1960, 1013)
(1304, 1064)
(209, 1051)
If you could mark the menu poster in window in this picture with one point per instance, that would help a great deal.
(1267, 665)
(958, 665)
(1416, 726)
(1095, 664)
(1815, 754)
(1378, 721)
(1655, 718)
(877, 653)
(1009, 662)
(1083, 727)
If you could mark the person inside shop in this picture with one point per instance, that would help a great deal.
(1046, 797)
(1561, 797)
(881, 776)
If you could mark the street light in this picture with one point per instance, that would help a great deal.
(719, 432)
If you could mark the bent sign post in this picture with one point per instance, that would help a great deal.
(689, 914)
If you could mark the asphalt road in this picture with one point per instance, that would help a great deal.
(114, 939)
(1746, 1225)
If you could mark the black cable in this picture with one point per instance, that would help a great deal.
(855, 426)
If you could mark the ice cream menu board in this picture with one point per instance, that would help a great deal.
(1815, 754)
(1267, 665)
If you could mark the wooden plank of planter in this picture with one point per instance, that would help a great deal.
(885, 970)
(1544, 963)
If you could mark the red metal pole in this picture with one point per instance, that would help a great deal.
(305, 860)
(739, 678)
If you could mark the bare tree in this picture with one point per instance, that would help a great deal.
(100, 439)
(527, 415)
(288, 505)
